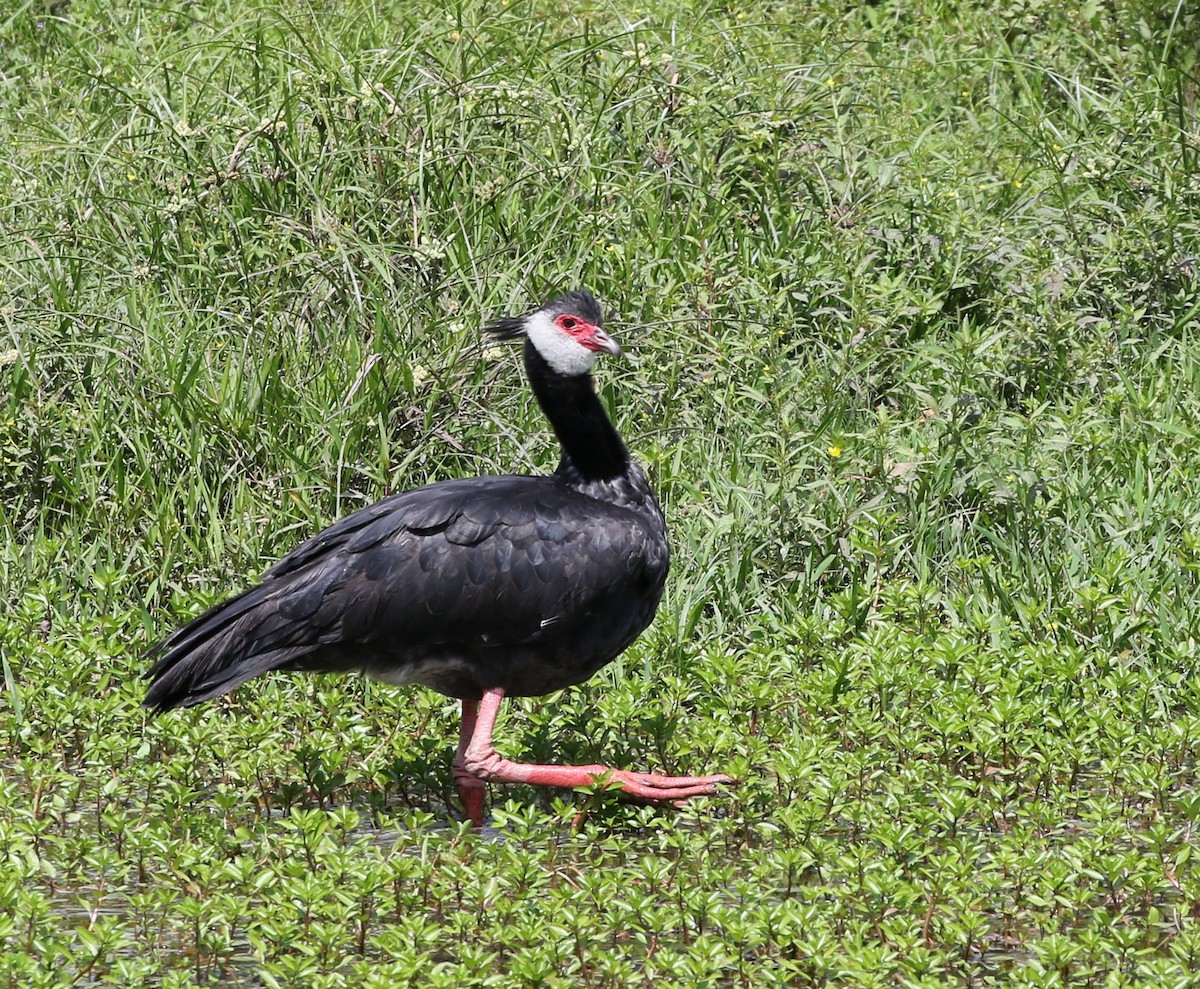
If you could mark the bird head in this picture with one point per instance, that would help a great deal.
(568, 332)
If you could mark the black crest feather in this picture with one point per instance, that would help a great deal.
(579, 303)
(506, 327)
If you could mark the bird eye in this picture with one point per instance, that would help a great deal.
(567, 323)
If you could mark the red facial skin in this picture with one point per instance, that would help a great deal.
(587, 334)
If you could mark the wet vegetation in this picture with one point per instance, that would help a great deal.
(910, 300)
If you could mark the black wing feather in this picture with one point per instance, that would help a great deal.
(465, 567)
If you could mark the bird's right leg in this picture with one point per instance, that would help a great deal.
(471, 789)
(477, 758)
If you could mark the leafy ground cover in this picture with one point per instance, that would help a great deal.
(911, 302)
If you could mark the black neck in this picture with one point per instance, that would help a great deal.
(589, 441)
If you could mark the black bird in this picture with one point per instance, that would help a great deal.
(478, 588)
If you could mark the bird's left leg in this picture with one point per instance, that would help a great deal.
(471, 788)
(479, 759)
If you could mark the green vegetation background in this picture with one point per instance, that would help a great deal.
(910, 297)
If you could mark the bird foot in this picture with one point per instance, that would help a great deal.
(481, 765)
(643, 787)
(477, 762)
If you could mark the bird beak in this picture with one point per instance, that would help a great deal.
(602, 341)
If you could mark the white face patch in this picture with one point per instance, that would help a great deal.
(559, 349)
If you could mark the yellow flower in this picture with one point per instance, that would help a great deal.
(834, 451)
(454, 35)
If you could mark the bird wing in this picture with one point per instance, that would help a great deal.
(496, 561)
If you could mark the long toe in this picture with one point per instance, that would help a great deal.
(485, 764)
(647, 786)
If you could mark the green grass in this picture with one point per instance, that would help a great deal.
(911, 302)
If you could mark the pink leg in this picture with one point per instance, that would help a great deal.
(470, 789)
(477, 760)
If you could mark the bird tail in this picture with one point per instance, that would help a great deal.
(231, 643)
